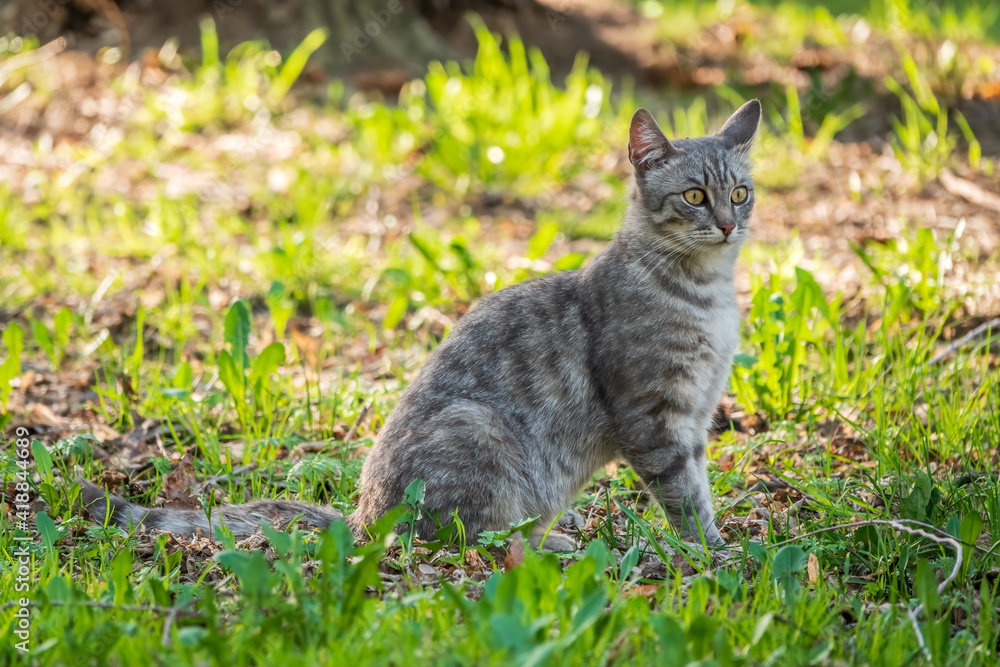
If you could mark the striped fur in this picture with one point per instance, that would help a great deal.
(544, 382)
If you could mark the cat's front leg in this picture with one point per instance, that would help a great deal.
(674, 471)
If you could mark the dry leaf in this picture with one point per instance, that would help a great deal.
(40, 414)
(308, 346)
(681, 563)
(111, 480)
(649, 590)
(989, 90)
(104, 433)
(515, 556)
(812, 567)
(474, 560)
(177, 485)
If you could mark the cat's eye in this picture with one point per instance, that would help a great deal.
(694, 196)
(739, 195)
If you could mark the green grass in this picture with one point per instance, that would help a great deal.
(284, 277)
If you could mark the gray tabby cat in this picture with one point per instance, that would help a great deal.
(545, 382)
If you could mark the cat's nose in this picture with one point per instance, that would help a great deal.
(726, 229)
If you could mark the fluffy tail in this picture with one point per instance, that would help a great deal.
(239, 519)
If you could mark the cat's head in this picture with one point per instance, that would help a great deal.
(695, 193)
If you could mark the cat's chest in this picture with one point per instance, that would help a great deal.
(695, 352)
(723, 325)
(708, 333)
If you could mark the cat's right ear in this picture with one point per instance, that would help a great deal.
(741, 128)
(647, 146)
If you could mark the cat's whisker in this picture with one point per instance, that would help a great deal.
(677, 249)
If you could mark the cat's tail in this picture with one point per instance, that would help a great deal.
(241, 520)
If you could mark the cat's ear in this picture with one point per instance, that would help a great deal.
(647, 146)
(741, 128)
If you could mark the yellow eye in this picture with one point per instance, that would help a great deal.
(739, 195)
(694, 196)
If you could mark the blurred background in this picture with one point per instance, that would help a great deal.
(362, 172)
(232, 230)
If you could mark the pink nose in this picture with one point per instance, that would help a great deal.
(726, 229)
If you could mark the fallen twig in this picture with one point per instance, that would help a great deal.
(165, 638)
(357, 423)
(970, 477)
(969, 191)
(900, 524)
(31, 57)
(972, 335)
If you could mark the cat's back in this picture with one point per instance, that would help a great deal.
(515, 340)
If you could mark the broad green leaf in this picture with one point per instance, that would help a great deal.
(868, 538)
(251, 569)
(139, 352)
(184, 376)
(191, 637)
(968, 533)
(281, 311)
(761, 628)
(789, 560)
(237, 332)
(175, 393)
(63, 323)
(282, 542)
(396, 311)
(414, 494)
(271, 357)
(294, 65)
(118, 574)
(598, 550)
(232, 377)
(52, 495)
(758, 552)
(589, 611)
(42, 458)
(570, 262)
(425, 249)
(629, 561)
(508, 631)
(916, 505)
(13, 337)
(385, 525)
(730, 582)
(926, 586)
(673, 641)
(59, 588)
(47, 529)
(43, 339)
(539, 243)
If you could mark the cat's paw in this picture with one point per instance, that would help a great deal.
(553, 542)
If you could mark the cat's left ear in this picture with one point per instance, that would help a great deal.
(741, 128)
(647, 146)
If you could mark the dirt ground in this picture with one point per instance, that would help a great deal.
(858, 195)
